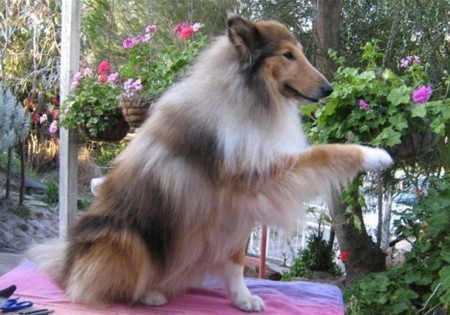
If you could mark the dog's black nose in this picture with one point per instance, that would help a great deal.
(326, 89)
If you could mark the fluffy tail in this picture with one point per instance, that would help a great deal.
(50, 257)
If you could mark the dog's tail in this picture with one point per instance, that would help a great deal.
(50, 257)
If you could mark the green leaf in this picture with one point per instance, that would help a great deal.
(446, 256)
(400, 95)
(419, 111)
(444, 273)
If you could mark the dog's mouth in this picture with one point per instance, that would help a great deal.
(297, 94)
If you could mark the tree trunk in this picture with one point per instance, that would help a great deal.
(22, 174)
(327, 34)
(363, 255)
(8, 173)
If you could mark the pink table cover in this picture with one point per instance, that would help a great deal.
(303, 298)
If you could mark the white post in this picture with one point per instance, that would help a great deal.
(70, 52)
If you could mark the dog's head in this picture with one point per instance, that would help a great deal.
(269, 52)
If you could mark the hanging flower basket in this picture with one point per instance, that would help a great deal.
(415, 144)
(113, 132)
(135, 110)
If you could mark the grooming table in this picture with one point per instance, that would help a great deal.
(302, 298)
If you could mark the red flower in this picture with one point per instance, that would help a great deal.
(344, 256)
(104, 66)
(36, 118)
(186, 32)
(55, 100)
(103, 78)
(54, 113)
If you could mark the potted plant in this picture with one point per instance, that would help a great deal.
(151, 68)
(93, 106)
(400, 111)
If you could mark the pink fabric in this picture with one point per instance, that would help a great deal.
(302, 298)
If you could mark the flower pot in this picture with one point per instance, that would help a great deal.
(134, 110)
(415, 144)
(113, 133)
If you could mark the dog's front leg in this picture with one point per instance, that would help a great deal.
(239, 294)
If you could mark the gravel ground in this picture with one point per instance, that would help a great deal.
(18, 229)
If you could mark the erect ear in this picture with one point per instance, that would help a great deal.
(245, 37)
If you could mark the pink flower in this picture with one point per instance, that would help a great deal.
(104, 66)
(197, 26)
(151, 28)
(422, 94)
(74, 85)
(43, 119)
(113, 78)
(137, 85)
(409, 60)
(146, 37)
(53, 128)
(77, 76)
(87, 72)
(128, 43)
(363, 104)
(186, 32)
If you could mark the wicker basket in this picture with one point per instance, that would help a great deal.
(415, 144)
(135, 110)
(113, 133)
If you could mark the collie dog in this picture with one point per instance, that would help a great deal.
(222, 150)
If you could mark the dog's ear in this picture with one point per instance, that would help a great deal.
(245, 37)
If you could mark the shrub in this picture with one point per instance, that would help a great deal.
(422, 283)
(318, 255)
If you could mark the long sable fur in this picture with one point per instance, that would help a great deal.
(223, 149)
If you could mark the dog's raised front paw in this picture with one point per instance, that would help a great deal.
(375, 158)
(249, 303)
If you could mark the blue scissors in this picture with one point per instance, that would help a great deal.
(12, 305)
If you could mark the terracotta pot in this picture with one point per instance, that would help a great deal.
(135, 110)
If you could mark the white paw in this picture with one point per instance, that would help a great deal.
(375, 158)
(249, 303)
(154, 298)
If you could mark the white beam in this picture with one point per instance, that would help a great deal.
(70, 52)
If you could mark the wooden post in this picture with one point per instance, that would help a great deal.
(70, 52)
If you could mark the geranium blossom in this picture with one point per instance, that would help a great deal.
(151, 28)
(53, 128)
(186, 32)
(103, 78)
(344, 256)
(104, 66)
(146, 37)
(128, 43)
(409, 60)
(197, 26)
(77, 76)
(54, 113)
(363, 104)
(131, 87)
(43, 118)
(87, 72)
(179, 27)
(74, 85)
(113, 78)
(422, 94)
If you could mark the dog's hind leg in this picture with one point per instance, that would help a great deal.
(239, 294)
(114, 268)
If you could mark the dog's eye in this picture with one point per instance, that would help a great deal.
(289, 55)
